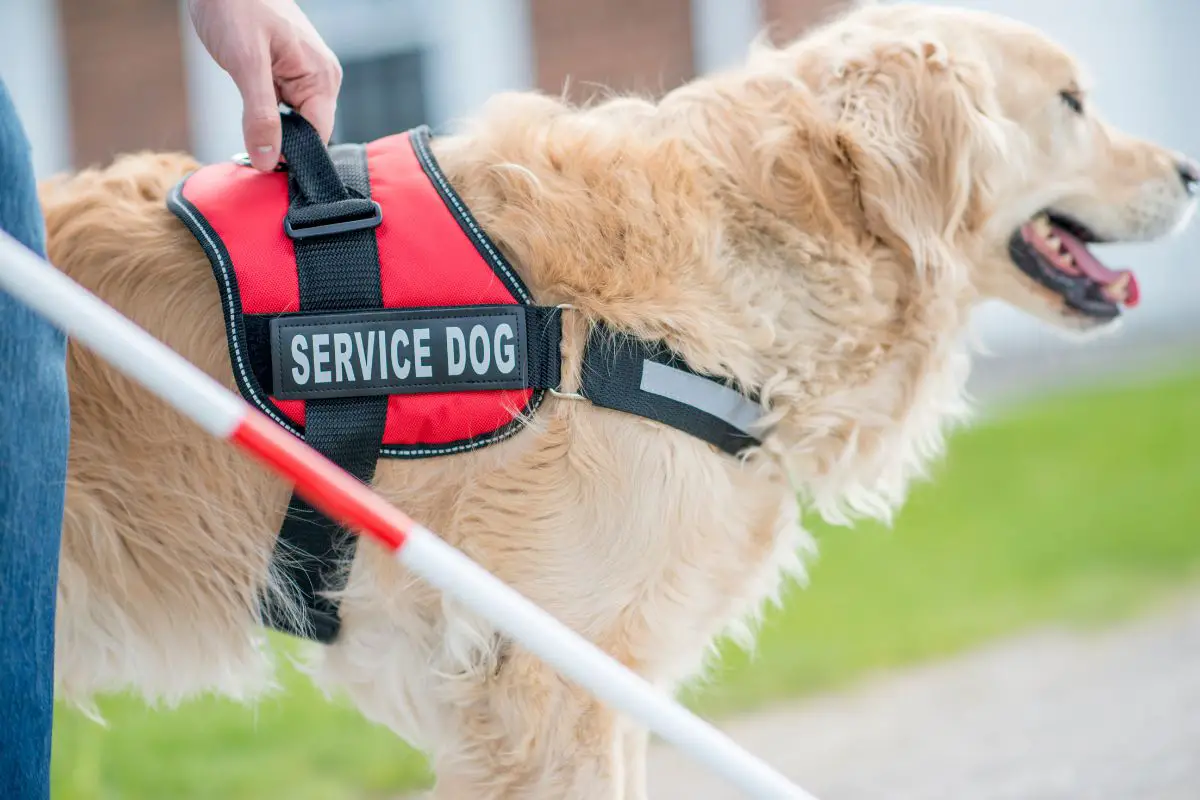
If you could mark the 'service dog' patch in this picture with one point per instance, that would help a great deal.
(398, 351)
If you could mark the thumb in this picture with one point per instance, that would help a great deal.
(260, 115)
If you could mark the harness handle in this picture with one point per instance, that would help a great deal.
(322, 204)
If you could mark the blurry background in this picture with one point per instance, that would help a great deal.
(1074, 505)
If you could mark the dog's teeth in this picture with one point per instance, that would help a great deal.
(1068, 260)
(1054, 242)
(1042, 225)
(1118, 289)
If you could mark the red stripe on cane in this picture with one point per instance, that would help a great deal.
(321, 482)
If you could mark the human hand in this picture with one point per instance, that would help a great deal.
(273, 53)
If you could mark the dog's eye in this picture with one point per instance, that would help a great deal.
(1073, 99)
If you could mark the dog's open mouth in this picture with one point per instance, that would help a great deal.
(1053, 250)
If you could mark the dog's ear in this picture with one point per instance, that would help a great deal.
(919, 134)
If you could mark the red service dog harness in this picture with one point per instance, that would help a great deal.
(368, 312)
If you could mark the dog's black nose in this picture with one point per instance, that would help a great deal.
(1189, 173)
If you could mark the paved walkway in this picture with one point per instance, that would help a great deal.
(1112, 715)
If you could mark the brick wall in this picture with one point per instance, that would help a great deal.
(125, 77)
(787, 19)
(628, 45)
(126, 82)
(638, 45)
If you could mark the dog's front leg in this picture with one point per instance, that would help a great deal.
(526, 733)
(635, 744)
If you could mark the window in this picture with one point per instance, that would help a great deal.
(381, 95)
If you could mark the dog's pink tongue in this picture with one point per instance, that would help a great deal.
(1089, 265)
(1084, 259)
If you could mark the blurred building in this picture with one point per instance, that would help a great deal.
(93, 78)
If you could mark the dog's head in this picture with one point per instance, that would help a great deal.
(974, 147)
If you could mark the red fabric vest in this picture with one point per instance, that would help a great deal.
(431, 252)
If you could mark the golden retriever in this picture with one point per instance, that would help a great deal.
(817, 224)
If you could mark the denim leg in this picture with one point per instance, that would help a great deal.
(33, 462)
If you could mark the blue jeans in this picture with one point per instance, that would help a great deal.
(33, 465)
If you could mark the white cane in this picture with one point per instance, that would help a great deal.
(143, 358)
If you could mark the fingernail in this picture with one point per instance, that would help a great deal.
(264, 148)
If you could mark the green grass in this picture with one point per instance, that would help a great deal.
(1078, 509)
(296, 745)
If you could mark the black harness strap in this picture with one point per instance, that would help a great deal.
(543, 326)
(647, 379)
(331, 220)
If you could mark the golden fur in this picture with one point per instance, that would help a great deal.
(818, 223)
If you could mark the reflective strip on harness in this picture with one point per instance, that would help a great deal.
(651, 381)
(702, 394)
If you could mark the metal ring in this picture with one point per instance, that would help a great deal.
(566, 395)
(555, 392)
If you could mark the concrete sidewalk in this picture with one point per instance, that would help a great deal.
(1111, 715)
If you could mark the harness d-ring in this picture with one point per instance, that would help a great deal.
(561, 395)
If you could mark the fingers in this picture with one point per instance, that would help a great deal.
(273, 53)
(314, 95)
(260, 115)
(320, 111)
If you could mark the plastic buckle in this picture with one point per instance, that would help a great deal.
(330, 228)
